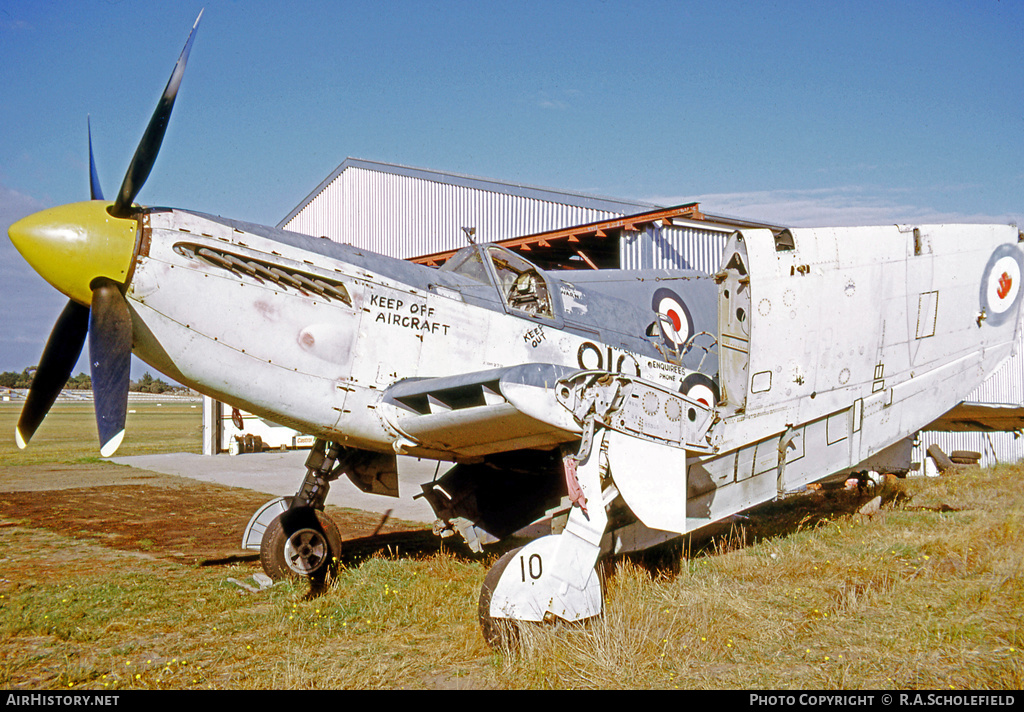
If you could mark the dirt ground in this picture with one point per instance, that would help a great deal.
(171, 517)
(194, 522)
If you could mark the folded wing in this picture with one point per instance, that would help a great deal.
(480, 413)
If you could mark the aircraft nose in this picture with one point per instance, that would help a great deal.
(72, 245)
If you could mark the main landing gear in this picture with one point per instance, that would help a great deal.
(554, 577)
(302, 541)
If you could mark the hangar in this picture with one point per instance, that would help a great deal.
(426, 215)
(423, 215)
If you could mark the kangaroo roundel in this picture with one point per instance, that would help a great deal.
(1001, 284)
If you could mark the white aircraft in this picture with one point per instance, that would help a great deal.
(621, 408)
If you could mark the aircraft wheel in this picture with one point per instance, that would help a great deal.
(300, 543)
(498, 632)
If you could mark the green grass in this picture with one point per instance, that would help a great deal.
(68, 434)
(913, 598)
(156, 625)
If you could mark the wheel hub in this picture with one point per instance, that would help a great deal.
(305, 551)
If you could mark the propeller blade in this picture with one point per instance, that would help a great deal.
(110, 350)
(94, 178)
(149, 146)
(60, 355)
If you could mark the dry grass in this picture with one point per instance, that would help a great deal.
(926, 594)
(913, 598)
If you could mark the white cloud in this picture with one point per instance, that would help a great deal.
(15, 205)
(553, 104)
(834, 207)
(557, 100)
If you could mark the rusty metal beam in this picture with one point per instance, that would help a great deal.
(586, 259)
(600, 229)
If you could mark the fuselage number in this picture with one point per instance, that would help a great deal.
(592, 358)
(532, 567)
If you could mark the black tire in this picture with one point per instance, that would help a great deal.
(499, 633)
(965, 454)
(300, 543)
(965, 457)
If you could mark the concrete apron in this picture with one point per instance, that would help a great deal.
(280, 474)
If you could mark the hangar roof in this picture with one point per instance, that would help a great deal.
(592, 202)
(421, 214)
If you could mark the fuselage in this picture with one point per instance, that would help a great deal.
(308, 333)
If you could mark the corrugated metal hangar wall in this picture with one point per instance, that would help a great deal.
(408, 212)
(1004, 386)
(405, 212)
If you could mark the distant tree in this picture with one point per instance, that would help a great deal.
(148, 384)
(81, 382)
(25, 377)
(142, 384)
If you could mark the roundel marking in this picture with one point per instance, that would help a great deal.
(1001, 284)
(700, 388)
(674, 317)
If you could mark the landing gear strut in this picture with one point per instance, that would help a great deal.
(303, 541)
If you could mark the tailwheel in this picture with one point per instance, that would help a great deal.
(499, 633)
(523, 588)
(300, 543)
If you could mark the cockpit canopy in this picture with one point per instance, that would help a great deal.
(523, 287)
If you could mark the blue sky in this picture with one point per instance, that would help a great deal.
(802, 113)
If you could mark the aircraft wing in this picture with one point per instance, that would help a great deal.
(480, 413)
(981, 417)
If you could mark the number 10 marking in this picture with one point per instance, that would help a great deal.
(534, 567)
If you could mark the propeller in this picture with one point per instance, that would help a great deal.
(149, 146)
(94, 178)
(94, 273)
